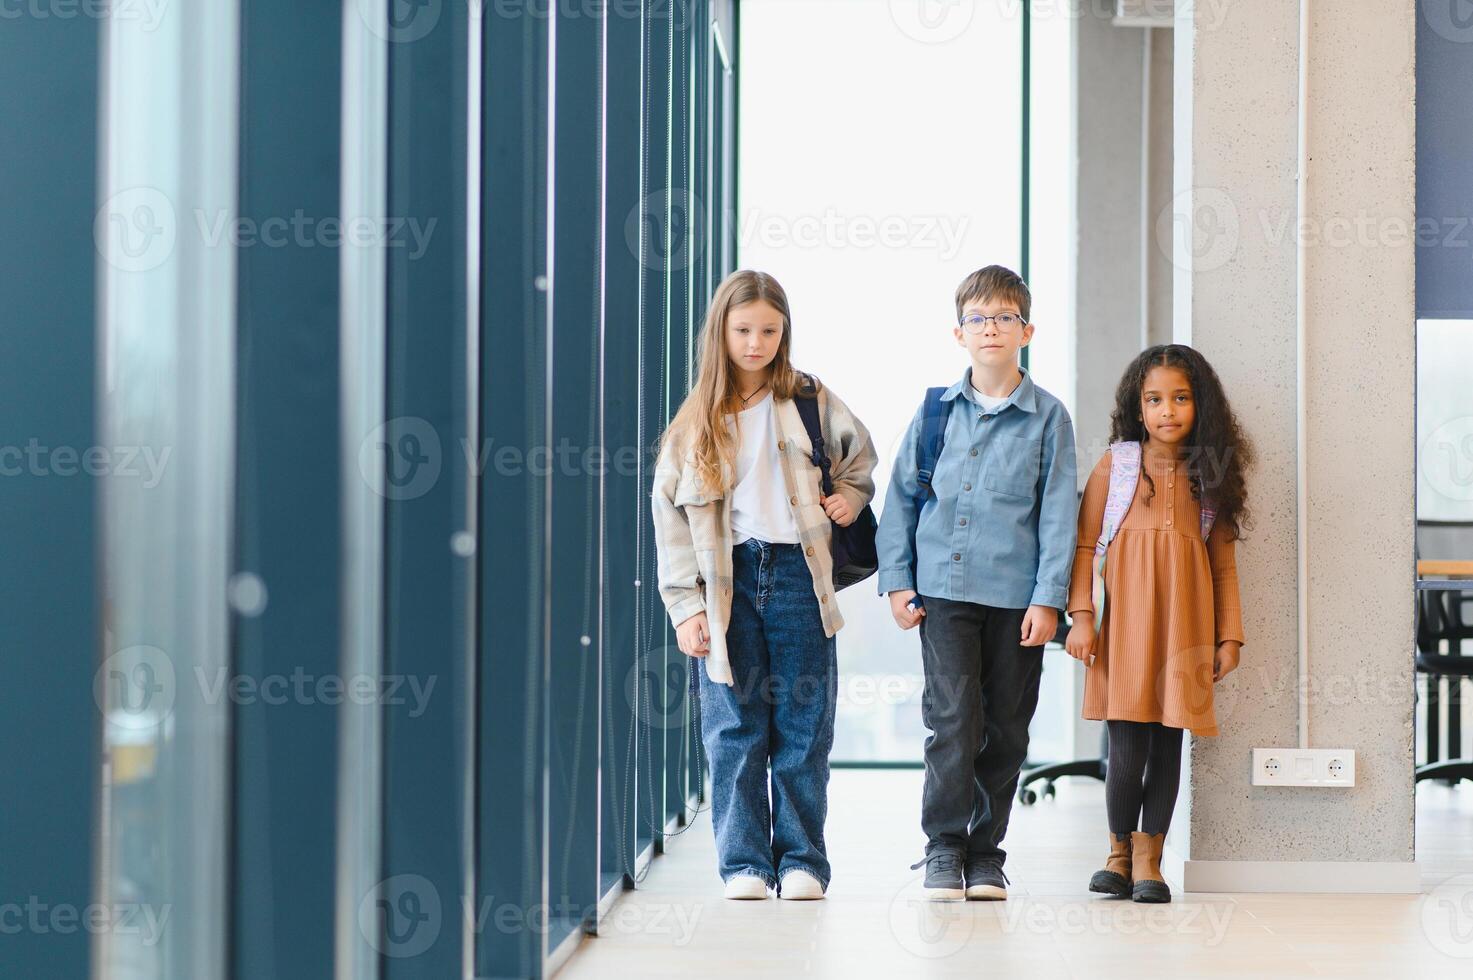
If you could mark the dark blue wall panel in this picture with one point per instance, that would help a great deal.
(1444, 160)
(626, 508)
(49, 723)
(576, 533)
(513, 573)
(428, 603)
(651, 693)
(288, 512)
(681, 267)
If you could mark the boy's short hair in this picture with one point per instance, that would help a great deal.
(995, 280)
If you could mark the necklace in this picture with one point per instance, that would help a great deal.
(748, 398)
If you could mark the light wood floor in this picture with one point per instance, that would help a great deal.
(874, 922)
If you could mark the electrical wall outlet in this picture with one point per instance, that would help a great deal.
(1304, 767)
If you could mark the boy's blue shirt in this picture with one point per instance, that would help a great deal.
(999, 527)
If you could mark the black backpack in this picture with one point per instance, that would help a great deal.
(855, 558)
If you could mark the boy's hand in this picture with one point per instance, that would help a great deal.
(838, 509)
(905, 617)
(1225, 660)
(1081, 640)
(694, 636)
(1039, 625)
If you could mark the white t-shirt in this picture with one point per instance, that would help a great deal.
(989, 403)
(759, 500)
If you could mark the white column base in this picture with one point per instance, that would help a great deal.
(1334, 877)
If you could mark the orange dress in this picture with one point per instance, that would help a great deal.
(1169, 600)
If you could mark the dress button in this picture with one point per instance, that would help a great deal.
(781, 446)
(974, 452)
(824, 597)
(1168, 522)
(810, 552)
(1170, 485)
(793, 501)
(966, 486)
(964, 522)
(956, 557)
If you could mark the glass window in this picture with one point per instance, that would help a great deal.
(870, 190)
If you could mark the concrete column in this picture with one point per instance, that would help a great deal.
(1236, 72)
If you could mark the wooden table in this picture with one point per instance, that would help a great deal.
(1438, 574)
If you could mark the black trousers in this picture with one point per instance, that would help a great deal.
(980, 692)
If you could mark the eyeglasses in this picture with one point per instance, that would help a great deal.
(976, 322)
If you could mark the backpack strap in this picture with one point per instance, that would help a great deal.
(1125, 471)
(807, 405)
(929, 443)
(934, 413)
(1209, 515)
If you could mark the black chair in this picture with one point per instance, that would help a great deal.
(1440, 620)
(1048, 772)
(1090, 768)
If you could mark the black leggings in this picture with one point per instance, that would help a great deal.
(1142, 776)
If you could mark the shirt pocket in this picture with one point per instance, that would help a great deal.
(1014, 465)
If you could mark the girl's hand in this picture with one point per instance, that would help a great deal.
(1225, 661)
(694, 636)
(905, 617)
(838, 509)
(1081, 640)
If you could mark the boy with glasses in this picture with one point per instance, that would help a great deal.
(975, 545)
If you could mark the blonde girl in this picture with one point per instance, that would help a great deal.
(743, 532)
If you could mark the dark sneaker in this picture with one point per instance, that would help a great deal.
(986, 881)
(943, 874)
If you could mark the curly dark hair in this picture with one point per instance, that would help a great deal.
(1217, 451)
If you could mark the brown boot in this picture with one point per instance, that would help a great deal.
(1114, 879)
(1145, 868)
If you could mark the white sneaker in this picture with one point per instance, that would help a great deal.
(800, 886)
(746, 888)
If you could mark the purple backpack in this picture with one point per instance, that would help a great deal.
(1125, 471)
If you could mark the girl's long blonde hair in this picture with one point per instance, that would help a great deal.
(700, 425)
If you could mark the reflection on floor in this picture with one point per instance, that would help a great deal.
(873, 924)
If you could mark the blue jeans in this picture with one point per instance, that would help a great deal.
(779, 711)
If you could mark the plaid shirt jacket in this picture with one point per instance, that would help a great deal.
(693, 525)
